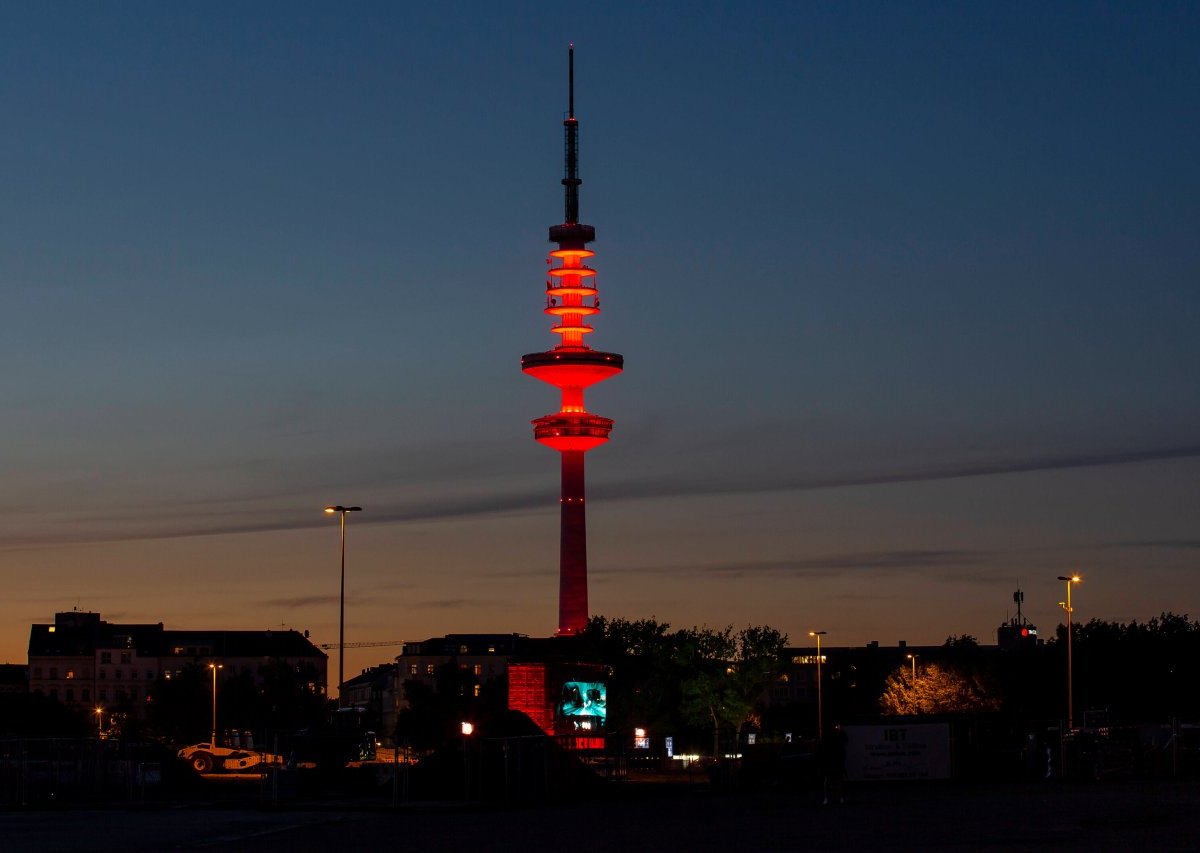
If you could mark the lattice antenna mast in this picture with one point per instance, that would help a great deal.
(571, 179)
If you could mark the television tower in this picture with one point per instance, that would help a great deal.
(571, 366)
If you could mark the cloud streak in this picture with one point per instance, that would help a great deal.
(180, 520)
(838, 565)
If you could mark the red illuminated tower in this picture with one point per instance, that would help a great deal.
(572, 366)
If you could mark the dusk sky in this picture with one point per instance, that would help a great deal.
(909, 297)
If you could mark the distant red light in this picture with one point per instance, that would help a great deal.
(1024, 632)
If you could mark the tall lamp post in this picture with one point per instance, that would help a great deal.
(913, 658)
(341, 511)
(1066, 605)
(214, 667)
(820, 705)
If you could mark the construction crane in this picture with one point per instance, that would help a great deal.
(361, 645)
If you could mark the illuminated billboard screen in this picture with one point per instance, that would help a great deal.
(584, 699)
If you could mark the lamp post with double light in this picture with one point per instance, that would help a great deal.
(1066, 605)
(342, 511)
(820, 705)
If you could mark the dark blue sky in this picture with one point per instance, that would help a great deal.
(907, 293)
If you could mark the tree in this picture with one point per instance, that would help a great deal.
(937, 689)
(644, 688)
(730, 672)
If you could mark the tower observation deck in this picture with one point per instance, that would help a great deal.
(572, 298)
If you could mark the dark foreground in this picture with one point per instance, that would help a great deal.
(1093, 817)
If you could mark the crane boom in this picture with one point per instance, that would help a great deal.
(361, 645)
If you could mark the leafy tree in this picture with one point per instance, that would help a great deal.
(33, 714)
(937, 689)
(730, 672)
(644, 688)
(1137, 671)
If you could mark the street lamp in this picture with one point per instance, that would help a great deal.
(99, 721)
(820, 708)
(467, 730)
(1066, 605)
(214, 667)
(341, 511)
(913, 658)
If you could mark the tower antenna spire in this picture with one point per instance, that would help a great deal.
(571, 128)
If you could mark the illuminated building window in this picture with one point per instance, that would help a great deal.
(476, 689)
(52, 629)
(462, 650)
(479, 669)
(70, 673)
(429, 669)
(412, 669)
(491, 650)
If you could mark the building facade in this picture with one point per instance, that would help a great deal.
(86, 662)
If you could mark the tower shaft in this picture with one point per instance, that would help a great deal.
(572, 559)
